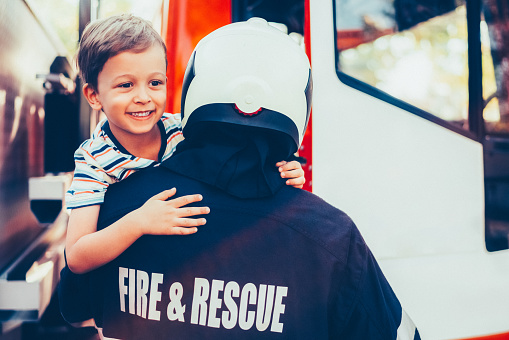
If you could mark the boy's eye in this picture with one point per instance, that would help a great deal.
(125, 85)
(156, 83)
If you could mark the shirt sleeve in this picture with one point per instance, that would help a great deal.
(90, 181)
(173, 130)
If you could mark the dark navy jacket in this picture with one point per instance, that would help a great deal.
(287, 266)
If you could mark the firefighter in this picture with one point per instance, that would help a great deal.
(272, 261)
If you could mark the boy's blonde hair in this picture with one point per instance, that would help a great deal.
(105, 38)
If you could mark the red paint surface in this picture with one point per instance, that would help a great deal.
(306, 149)
(502, 336)
(185, 23)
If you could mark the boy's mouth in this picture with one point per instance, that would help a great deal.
(141, 114)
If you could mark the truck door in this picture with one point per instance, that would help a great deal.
(398, 134)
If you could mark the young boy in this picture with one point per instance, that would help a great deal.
(122, 61)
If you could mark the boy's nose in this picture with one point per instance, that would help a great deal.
(142, 96)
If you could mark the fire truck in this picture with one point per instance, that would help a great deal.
(409, 135)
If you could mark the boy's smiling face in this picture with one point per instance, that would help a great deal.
(131, 90)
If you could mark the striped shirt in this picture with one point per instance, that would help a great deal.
(102, 160)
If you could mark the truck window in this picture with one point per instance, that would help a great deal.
(414, 50)
(495, 35)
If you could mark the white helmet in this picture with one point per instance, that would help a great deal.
(252, 74)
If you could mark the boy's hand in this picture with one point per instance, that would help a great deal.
(293, 171)
(161, 217)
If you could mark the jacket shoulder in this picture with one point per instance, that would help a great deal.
(320, 222)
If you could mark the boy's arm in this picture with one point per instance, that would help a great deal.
(294, 172)
(87, 248)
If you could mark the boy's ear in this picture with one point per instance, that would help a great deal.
(92, 97)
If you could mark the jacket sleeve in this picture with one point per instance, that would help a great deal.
(373, 311)
(74, 296)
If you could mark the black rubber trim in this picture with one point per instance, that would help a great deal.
(188, 78)
(374, 92)
(475, 94)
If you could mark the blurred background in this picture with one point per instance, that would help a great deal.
(62, 16)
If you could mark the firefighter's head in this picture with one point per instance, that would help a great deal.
(252, 75)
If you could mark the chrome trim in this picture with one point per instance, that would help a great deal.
(27, 299)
